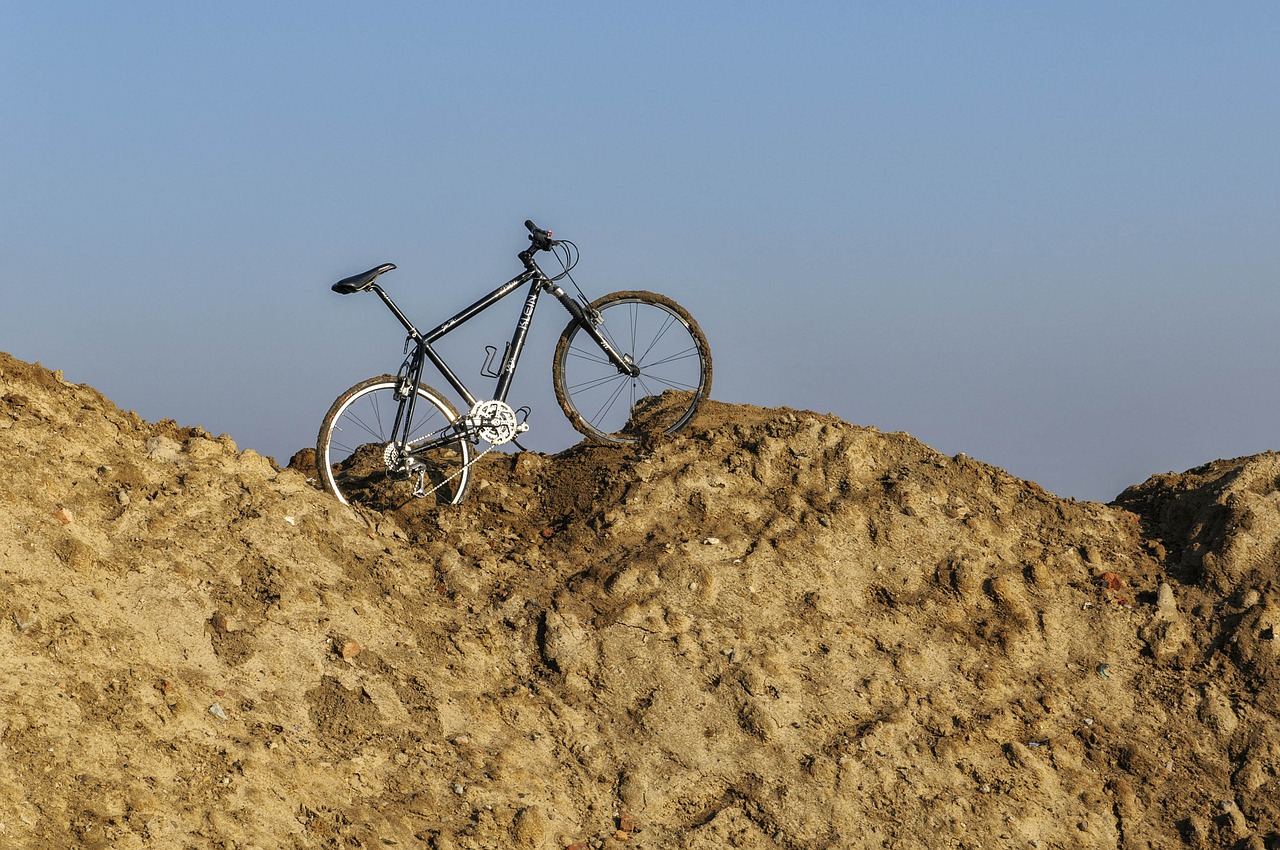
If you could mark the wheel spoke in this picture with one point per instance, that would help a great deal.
(587, 354)
(598, 381)
(671, 358)
(604, 408)
(671, 320)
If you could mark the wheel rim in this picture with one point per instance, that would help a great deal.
(663, 397)
(358, 463)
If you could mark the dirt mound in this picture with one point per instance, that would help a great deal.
(777, 630)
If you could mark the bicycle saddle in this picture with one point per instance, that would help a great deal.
(360, 282)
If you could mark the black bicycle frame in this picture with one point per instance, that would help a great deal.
(412, 375)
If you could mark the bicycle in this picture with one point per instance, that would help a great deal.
(627, 364)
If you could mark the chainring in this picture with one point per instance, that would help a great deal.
(494, 421)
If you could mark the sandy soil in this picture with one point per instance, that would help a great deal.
(779, 630)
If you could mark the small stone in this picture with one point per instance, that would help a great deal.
(1111, 581)
(1104, 670)
(216, 711)
(64, 516)
(290, 520)
(221, 623)
(458, 789)
(712, 541)
(1236, 818)
(548, 532)
(350, 649)
(462, 740)
(626, 823)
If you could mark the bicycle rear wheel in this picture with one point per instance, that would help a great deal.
(667, 345)
(359, 464)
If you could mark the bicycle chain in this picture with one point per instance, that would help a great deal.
(468, 465)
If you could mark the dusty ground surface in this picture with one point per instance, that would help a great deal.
(777, 631)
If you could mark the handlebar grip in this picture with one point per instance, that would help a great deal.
(540, 238)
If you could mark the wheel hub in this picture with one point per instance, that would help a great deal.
(393, 457)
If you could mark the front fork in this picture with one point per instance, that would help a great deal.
(590, 321)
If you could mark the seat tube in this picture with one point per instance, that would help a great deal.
(404, 410)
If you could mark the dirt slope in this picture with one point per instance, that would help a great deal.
(777, 631)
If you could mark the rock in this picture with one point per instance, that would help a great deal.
(163, 449)
(529, 829)
(1236, 819)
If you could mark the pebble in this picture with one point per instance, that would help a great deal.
(1112, 581)
(1104, 670)
(216, 711)
(458, 789)
(64, 516)
(1236, 818)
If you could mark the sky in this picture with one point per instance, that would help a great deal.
(1043, 234)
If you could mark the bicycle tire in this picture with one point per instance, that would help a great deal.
(359, 472)
(664, 341)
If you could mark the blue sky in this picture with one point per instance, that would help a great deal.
(1042, 234)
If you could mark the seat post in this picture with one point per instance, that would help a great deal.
(395, 311)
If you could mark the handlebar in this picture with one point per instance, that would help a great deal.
(541, 239)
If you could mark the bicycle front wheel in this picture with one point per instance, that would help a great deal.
(360, 464)
(662, 340)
